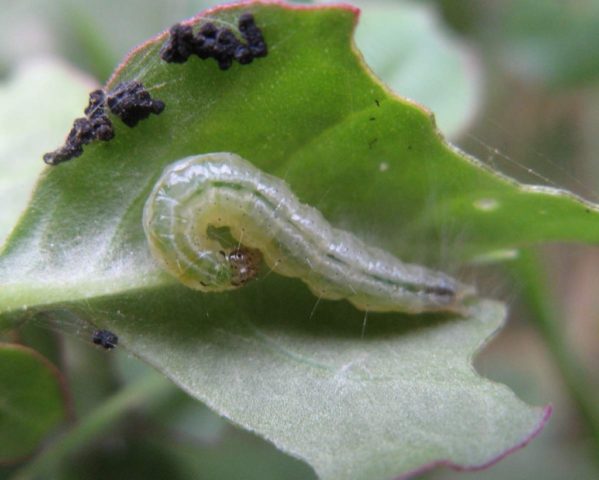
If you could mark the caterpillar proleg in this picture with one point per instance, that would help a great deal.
(201, 193)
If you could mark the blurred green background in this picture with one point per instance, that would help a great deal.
(513, 82)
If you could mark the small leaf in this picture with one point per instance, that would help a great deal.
(32, 401)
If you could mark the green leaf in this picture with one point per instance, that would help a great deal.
(270, 356)
(372, 163)
(353, 400)
(38, 103)
(32, 401)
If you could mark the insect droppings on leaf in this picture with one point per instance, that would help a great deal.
(131, 103)
(252, 35)
(220, 44)
(105, 338)
(94, 126)
(128, 100)
(180, 45)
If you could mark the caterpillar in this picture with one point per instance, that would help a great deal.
(198, 196)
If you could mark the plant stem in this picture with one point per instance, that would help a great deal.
(529, 270)
(94, 424)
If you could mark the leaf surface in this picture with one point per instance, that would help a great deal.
(355, 395)
(355, 400)
(309, 113)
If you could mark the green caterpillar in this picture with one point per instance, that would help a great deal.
(201, 193)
